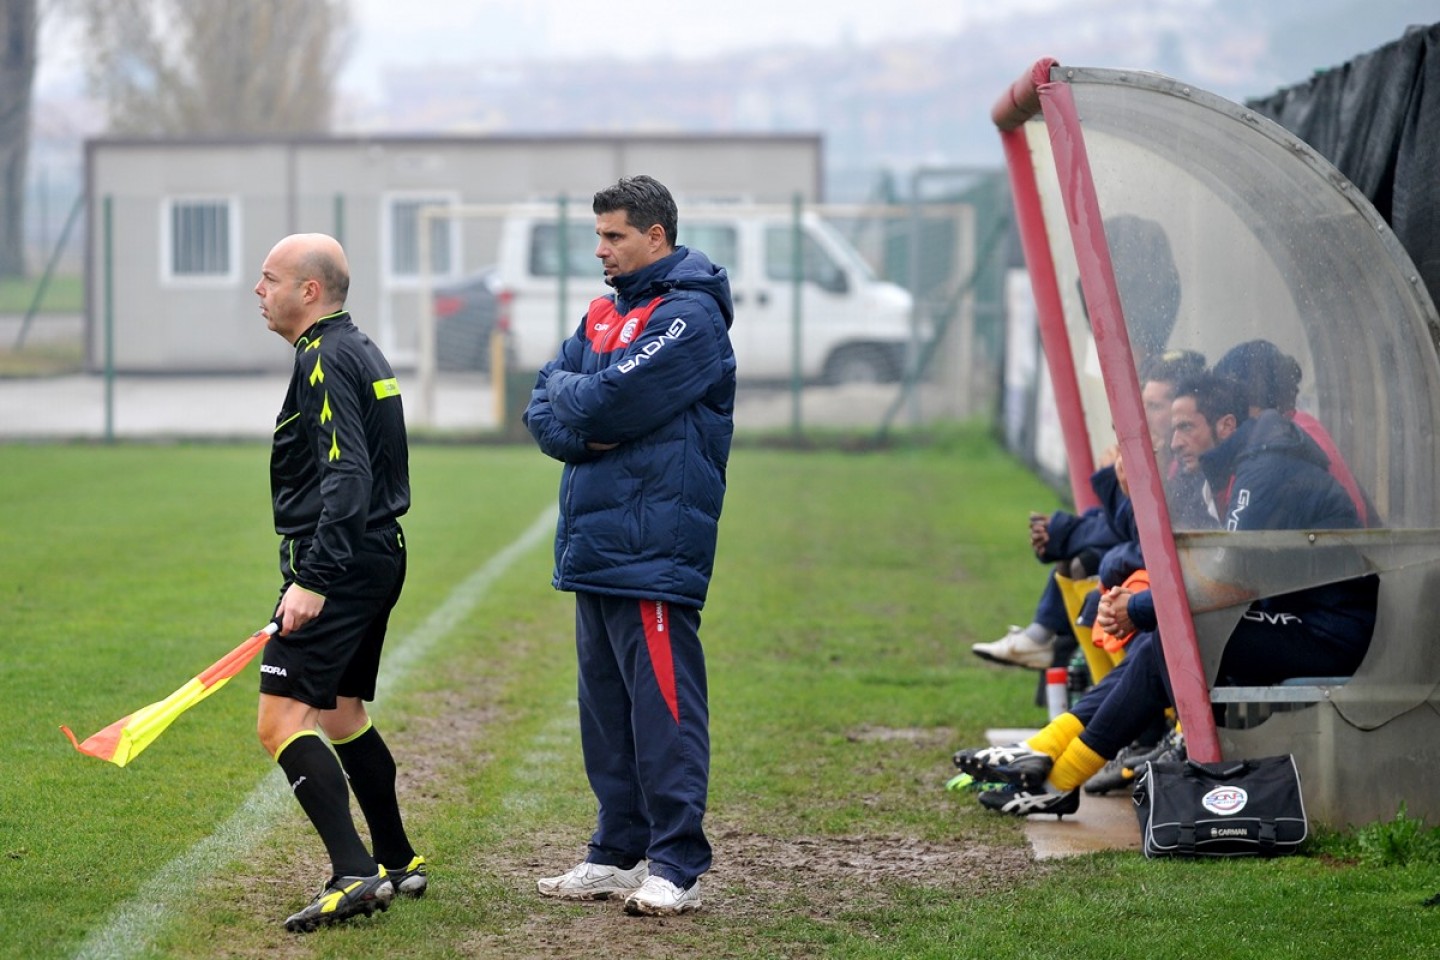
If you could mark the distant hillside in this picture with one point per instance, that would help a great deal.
(897, 106)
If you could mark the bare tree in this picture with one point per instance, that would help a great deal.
(17, 75)
(216, 67)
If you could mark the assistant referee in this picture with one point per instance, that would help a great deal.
(339, 478)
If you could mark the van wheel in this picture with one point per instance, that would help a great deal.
(860, 363)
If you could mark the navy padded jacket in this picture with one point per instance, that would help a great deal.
(1269, 475)
(650, 369)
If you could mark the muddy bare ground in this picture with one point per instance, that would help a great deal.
(756, 880)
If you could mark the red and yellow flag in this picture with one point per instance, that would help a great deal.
(123, 740)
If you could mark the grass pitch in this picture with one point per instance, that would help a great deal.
(847, 590)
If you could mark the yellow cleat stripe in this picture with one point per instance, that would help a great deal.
(331, 902)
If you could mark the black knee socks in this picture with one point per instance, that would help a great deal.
(319, 784)
(372, 779)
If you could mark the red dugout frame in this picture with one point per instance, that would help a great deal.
(1042, 92)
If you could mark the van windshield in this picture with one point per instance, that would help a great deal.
(716, 240)
(819, 263)
(545, 252)
(844, 249)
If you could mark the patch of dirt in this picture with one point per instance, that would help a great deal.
(756, 881)
(282, 876)
(919, 736)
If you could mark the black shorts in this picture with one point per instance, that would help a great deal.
(338, 653)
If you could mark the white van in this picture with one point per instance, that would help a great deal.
(854, 328)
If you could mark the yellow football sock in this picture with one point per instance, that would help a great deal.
(1073, 767)
(1055, 736)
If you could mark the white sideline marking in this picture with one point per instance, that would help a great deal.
(132, 926)
(544, 753)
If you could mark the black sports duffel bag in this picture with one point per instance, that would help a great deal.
(1230, 809)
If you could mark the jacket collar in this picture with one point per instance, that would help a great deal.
(313, 332)
(629, 287)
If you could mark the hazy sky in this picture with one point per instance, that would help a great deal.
(409, 32)
(413, 31)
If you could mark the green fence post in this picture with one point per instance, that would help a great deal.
(797, 279)
(562, 287)
(109, 258)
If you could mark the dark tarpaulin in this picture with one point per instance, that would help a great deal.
(1377, 119)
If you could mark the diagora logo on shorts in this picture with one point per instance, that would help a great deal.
(272, 669)
(1225, 801)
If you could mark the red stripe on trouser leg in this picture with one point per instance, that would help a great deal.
(654, 614)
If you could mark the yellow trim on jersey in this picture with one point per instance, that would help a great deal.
(386, 388)
(287, 420)
(334, 446)
(317, 375)
(325, 413)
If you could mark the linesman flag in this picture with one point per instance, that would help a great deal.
(123, 740)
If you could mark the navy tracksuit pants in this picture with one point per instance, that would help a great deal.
(1050, 610)
(645, 732)
(1260, 651)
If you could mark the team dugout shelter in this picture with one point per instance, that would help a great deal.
(1154, 215)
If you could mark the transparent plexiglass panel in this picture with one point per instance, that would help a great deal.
(1261, 240)
(1223, 230)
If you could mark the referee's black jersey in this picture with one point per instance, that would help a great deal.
(340, 463)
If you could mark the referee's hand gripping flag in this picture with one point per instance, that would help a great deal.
(123, 740)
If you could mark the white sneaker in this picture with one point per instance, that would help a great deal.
(595, 881)
(658, 897)
(1018, 649)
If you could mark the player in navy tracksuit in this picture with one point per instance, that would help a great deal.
(639, 404)
(1263, 473)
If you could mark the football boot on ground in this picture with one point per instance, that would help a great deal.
(1014, 763)
(1120, 773)
(343, 898)
(1020, 802)
(1174, 748)
(1117, 774)
(595, 881)
(412, 881)
(963, 781)
(658, 897)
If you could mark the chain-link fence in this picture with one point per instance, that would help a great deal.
(846, 316)
(855, 318)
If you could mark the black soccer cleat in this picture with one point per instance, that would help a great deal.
(1020, 802)
(1117, 774)
(413, 880)
(343, 898)
(1014, 763)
